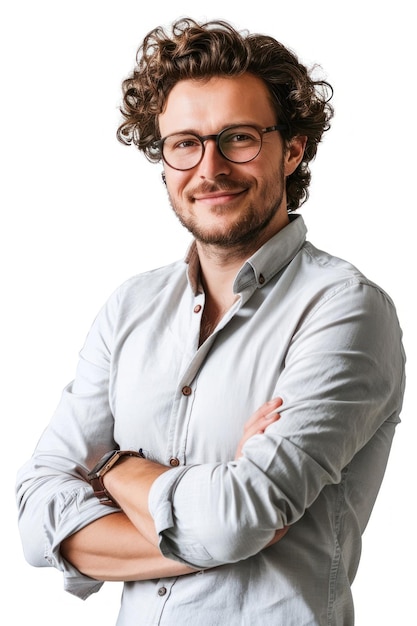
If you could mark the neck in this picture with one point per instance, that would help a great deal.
(217, 279)
(220, 264)
(218, 271)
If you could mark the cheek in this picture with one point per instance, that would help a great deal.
(176, 183)
(270, 180)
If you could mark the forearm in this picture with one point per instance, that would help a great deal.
(112, 549)
(130, 481)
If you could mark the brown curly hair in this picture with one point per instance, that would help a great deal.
(193, 51)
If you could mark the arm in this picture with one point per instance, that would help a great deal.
(131, 480)
(112, 548)
(55, 501)
(54, 498)
(342, 381)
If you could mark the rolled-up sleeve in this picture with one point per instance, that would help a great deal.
(53, 496)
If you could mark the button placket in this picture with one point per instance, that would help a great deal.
(182, 408)
(197, 311)
(186, 391)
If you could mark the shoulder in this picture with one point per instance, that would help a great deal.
(149, 285)
(334, 274)
(138, 297)
(330, 291)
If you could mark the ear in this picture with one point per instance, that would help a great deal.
(294, 154)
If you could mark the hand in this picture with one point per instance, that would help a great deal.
(278, 535)
(258, 422)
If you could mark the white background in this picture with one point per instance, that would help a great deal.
(81, 213)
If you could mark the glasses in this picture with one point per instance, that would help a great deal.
(238, 144)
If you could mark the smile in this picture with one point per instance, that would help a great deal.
(219, 197)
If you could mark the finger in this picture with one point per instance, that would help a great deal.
(266, 409)
(272, 416)
(262, 421)
(259, 427)
(259, 421)
(279, 534)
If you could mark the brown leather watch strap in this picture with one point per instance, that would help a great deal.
(95, 476)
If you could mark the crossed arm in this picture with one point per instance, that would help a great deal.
(123, 546)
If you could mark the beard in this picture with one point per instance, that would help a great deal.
(249, 225)
(245, 229)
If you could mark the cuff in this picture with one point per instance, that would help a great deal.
(67, 513)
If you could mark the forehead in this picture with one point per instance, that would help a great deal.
(207, 105)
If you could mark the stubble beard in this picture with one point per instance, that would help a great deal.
(248, 227)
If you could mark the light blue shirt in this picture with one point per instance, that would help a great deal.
(307, 327)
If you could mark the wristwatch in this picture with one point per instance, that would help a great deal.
(95, 476)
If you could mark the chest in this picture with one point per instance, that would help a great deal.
(180, 399)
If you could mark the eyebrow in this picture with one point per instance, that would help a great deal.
(195, 132)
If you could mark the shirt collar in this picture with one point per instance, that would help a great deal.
(271, 258)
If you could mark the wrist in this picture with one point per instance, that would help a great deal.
(103, 467)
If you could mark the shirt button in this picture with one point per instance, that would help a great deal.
(197, 308)
(186, 391)
(174, 462)
(261, 279)
(162, 591)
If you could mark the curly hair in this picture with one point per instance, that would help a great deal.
(201, 50)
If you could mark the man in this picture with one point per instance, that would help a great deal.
(211, 517)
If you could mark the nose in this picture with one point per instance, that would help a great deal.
(213, 163)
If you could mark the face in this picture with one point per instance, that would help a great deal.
(223, 203)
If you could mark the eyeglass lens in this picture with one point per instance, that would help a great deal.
(239, 144)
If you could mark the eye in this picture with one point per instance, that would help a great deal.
(240, 137)
(182, 142)
(187, 143)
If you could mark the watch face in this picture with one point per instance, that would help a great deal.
(102, 462)
(107, 457)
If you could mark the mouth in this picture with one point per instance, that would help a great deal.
(217, 196)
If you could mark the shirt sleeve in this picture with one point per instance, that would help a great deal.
(53, 495)
(342, 383)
